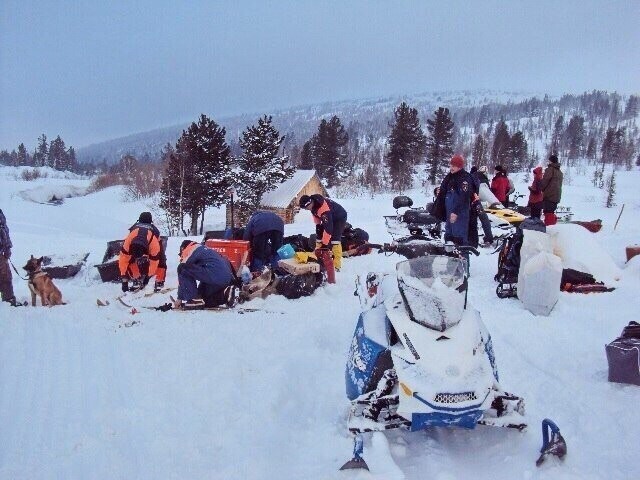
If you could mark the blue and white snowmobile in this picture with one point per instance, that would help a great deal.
(421, 358)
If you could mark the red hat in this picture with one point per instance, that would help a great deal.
(457, 161)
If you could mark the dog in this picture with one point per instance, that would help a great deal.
(40, 284)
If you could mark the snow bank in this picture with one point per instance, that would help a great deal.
(578, 249)
(45, 193)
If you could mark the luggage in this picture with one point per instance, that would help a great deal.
(623, 356)
(296, 286)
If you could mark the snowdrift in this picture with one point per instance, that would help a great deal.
(45, 193)
(579, 250)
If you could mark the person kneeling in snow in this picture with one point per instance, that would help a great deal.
(214, 272)
(265, 231)
(142, 255)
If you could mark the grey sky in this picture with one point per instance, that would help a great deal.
(93, 70)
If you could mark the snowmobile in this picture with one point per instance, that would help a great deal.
(420, 358)
(501, 217)
(417, 221)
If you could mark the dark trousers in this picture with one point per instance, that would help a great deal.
(264, 249)
(190, 275)
(484, 221)
(6, 287)
(536, 209)
(338, 230)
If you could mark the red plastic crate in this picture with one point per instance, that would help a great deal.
(234, 250)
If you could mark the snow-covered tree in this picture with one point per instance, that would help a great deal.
(611, 189)
(42, 152)
(261, 168)
(480, 151)
(406, 146)
(501, 149)
(329, 151)
(439, 143)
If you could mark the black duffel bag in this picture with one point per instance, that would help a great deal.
(623, 355)
(296, 286)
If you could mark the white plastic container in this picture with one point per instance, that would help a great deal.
(539, 283)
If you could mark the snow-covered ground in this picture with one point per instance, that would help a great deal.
(209, 395)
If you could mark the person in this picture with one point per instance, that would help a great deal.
(500, 185)
(535, 193)
(330, 219)
(551, 186)
(453, 202)
(265, 231)
(142, 255)
(199, 263)
(6, 283)
(479, 177)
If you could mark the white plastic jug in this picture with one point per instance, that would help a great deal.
(539, 283)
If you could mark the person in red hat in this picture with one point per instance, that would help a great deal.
(453, 205)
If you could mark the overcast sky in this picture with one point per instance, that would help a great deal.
(90, 70)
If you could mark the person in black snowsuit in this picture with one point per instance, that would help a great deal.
(265, 231)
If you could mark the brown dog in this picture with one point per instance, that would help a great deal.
(41, 285)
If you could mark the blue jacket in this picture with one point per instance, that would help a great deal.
(207, 265)
(261, 222)
(460, 188)
(5, 240)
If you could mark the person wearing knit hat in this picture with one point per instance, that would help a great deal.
(551, 186)
(453, 205)
(142, 255)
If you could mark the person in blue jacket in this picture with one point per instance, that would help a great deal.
(458, 191)
(214, 272)
(265, 231)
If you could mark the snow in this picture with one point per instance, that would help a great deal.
(204, 395)
(282, 196)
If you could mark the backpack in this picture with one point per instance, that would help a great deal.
(296, 286)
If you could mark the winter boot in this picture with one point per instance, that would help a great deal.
(230, 296)
(550, 218)
(158, 286)
(336, 249)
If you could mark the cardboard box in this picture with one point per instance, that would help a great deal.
(290, 265)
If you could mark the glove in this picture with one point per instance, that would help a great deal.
(125, 285)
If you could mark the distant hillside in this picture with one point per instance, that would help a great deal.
(370, 115)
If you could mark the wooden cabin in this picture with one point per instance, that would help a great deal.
(284, 200)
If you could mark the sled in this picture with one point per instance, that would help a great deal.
(108, 269)
(594, 226)
(60, 267)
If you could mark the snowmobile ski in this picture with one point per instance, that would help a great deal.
(357, 461)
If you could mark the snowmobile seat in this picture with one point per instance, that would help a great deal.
(402, 201)
(419, 217)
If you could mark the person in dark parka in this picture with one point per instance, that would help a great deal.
(214, 272)
(551, 186)
(330, 219)
(6, 285)
(265, 231)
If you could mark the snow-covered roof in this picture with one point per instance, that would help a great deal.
(288, 190)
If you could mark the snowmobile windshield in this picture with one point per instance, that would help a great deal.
(487, 197)
(433, 289)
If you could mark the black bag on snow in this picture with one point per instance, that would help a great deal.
(575, 277)
(402, 201)
(300, 243)
(296, 286)
(623, 356)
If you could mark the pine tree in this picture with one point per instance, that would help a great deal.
(330, 157)
(261, 168)
(406, 146)
(72, 162)
(439, 143)
(591, 149)
(557, 137)
(632, 108)
(23, 157)
(518, 151)
(57, 157)
(575, 137)
(42, 151)
(172, 192)
(479, 153)
(611, 189)
(501, 149)
(306, 155)
(205, 149)
(607, 150)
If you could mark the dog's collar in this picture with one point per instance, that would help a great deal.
(34, 275)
